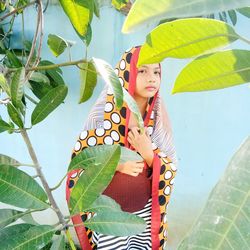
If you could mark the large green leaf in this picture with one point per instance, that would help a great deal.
(185, 38)
(134, 108)
(7, 160)
(8, 216)
(49, 103)
(104, 203)
(245, 11)
(145, 12)
(15, 115)
(233, 16)
(225, 221)
(94, 180)
(4, 126)
(4, 85)
(56, 44)
(34, 237)
(21, 190)
(79, 13)
(58, 243)
(94, 156)
(116, 223)
(39, 77)
(40, 89)
(219, 70)
(14, 62)
(110, 77)
(17, 87)
(88, 78)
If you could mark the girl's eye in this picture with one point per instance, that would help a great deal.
(141, 71)
(157, 72)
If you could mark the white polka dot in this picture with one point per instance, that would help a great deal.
(115, 118)
(83, 135)
(108, 140)
(107, 124)
(167, 190)
(116, 71)
(154, 146)
(92, 141)
(115, 136)
(173, 167)
(162, 154)
(73, 175)
(165, 245)
(121, 81)
(168, 175)
(165, 218)
(122, 64)
(167, 207)
(110, 91)
(89, 216)
(150, 130)
(152, 115)
(81, 172)
(108, 107)
(165, 233)
(99, 131)
(165, 160)
(78, 146)
(172, 181)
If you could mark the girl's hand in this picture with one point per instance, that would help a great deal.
(142, 144)
(133, 168)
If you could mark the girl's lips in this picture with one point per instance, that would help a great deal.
(150, 88)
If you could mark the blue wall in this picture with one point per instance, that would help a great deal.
(208, 126)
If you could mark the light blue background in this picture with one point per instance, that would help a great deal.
(208, 126)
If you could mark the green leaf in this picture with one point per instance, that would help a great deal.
(7, 216)
(119, 4)
(78, 13)
(215, 71)
(39, 77)
(17, 87)
(20, 189)
(49, 103)
(88, 81)
(11, 231)
(97, 8)
(104, 203)
(110, 77)
(40, 89)
(94, 180)
(134, 108)
(179, 39)
(145, 12)
(7, 160)
(94, 156)
(57, 44)
(245, 11)
(14, 62)
(15, 115)
(35, 237)
(224, 221)
(116, 223)
(4, 85)
(4, 126)
(233, 16)
(58, 243)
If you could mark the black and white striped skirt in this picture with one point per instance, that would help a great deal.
(140, 241)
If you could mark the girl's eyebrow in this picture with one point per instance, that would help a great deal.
(144, 66)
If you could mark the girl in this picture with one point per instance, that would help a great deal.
(142, 188)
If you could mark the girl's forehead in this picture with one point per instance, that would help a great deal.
(150, 66)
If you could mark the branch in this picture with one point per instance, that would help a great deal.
(16, 10)
(59, 184)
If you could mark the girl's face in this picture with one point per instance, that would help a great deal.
(148, 80)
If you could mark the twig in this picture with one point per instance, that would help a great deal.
(59, 184)
(42, 178)
(16, 10)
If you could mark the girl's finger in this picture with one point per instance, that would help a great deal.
(135, 132)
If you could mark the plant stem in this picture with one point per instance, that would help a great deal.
(70, 239)
(59, 184)
(244, 40)
(16, 10)
(42, 178)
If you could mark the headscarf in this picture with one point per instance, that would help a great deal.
(107, 125)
